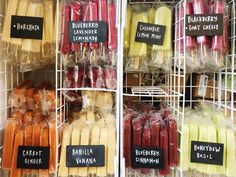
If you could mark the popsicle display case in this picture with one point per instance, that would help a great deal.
(150, 91)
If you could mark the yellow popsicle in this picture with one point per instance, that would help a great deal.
(203, 136)
(48, 20)
(151, 15)
(95, 134)
(212, 137)
(185, 148)
(91, 117)
(85, 134)
(230, 151)
(34, 10)
(57, 16)
(111, 150)
(193, 132)
(66, 140)
(222, 139)
(127, 27)
(102, 171)
(21, 11)
(11, 10)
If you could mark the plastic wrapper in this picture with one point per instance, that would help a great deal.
(127, 140)
(162, 54)
(101, 83)
(127, 30)
(110, 77)
(219, 43)
(138, 51)
(65, 45)
(104, 101)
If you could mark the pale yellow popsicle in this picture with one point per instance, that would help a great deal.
(75, 140)
(185, 148)
(164, 17)
(66, 140)
(34, 10)
(212, 138)
(104, 101)
(193, 132)
(102, 171)
(203, 136)
(95, 134)
(57, 16)
(222, 139)
(151, 15)
(11, 10)
(91, 116)
(21, 11)
(230, 151)
(137, 49)
(111, 149)
(85, 134)
(127, 27)
(48, 20)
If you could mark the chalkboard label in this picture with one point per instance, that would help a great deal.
(26, 27)
(204, 25)
(87, 31)
(207, 153)
(85, 156)
(150, 33)
(147, 157)
(33, 157)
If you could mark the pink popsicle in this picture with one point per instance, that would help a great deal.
(112, 30)
(65, 45)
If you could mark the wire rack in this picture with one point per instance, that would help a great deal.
(63, 108)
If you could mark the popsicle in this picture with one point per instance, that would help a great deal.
(65, 45)
(203, 136)
(75, 140)
(201, 7)
(193, 133)
(137, 132)
(11, 10)
(35, 9)
(102, 171)
(28, 133)
(53, 147)
(21, 11)
(164, 145)
(28, 117)
(162, 53)
(127, 28)
(146, 142)
(112, 30)
(151, 15)
(185, 147)
(218, 48)
(8, 141)
(48, 30)
(173, 143)
(212, 137)
(75, 16)
(155, 131)
(95, 134)
(91, 116)
(66, 140)
(2, 12)
(230, 151)
(102, 16)
(85, 134)
(57, 19)
(37, 128)
(138, 50)
(127, 141)
(221, 138)
(111, 149)
(19, 141)
(44, 142)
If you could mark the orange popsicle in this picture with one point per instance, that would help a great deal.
(36, 140)
(52, 143)
(44, 142)
(19, 141)
(28, 117)
(8, 141)
(27, 142)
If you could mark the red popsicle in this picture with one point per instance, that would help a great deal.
(146, 142)
(164, 146)
(127, 141)
(155, 132)
(93, 9)
(75, 16)
(137, 131)
(173, 143)
(65, 45)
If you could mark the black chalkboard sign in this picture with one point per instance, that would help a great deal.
(147, 157)
(207, 153)
(26, 27)
(85, 156)
(150, 33)
(87, 31)
(33, 157)
(204, 25)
